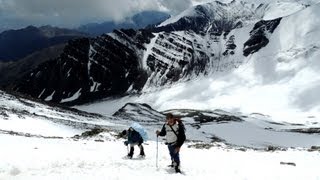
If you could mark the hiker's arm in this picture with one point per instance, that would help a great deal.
(163, 131)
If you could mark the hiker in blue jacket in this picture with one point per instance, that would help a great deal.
(174, 131)
(134, 138)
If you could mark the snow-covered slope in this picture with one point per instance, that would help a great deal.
(230, 14)
(23, 117)
(269, 9)
(33, 158)
(37, 142)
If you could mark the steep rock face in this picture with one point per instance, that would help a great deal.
(50, 79)
(183, 55)
(90, 69)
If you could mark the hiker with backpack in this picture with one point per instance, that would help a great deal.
(136, 136)
(174, 131)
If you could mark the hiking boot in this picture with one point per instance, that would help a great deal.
(141, 151)
(142, 154)
(130, 153)
(177, 169)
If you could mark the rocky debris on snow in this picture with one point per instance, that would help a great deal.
(288, 163)
(201, 116)
(217, 139)
(201, 145)
(314, 148)
(3, 113)
(99, 140)
(28, 135)
(90, 133)
(98, 134)
(313, 130)
(275, 148)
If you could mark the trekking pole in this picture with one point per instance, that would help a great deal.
(157, 153)
(128, 148)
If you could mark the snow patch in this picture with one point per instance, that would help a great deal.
(75, 96)
(49, 98)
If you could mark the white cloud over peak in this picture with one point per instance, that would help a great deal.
(72, 13)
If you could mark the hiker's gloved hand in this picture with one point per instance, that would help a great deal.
(126, 143)
(157, 132)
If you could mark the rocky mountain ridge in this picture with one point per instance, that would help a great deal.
(131, 61)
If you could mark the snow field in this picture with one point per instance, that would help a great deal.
(35, 158)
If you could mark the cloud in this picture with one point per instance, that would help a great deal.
(69, 13)
(176, 6)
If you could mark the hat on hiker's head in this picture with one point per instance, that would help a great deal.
(169, 116)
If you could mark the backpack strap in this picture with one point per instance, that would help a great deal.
(174, 131)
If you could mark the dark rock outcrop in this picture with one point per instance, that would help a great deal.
(258, 36)
(202, 117)
(140, 113)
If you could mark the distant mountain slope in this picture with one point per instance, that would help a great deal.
(137, 61)
(137, 21)
(14, 70)
(16, 44)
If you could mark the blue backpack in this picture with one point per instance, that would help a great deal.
(143, 133)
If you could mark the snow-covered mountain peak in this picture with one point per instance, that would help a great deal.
(226, 15)
(215, 16)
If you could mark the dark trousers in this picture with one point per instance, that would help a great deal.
(174, 155)
(132, 149)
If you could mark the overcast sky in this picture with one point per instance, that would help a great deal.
(72, 13)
